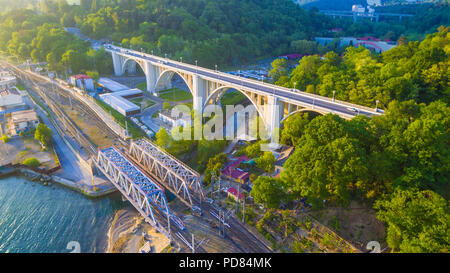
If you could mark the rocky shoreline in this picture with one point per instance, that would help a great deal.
(129, 233)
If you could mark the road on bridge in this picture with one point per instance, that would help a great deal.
(268, 89)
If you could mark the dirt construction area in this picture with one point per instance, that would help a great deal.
(19, 149)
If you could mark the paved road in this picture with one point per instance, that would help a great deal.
(268, 89)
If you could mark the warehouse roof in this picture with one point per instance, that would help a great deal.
(112, 85)
(120, 102)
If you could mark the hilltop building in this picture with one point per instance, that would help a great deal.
(368, 42)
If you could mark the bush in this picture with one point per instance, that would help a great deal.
(5, 138)
(31, 162)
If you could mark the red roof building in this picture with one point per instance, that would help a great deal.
(233, 192)
(232, 171)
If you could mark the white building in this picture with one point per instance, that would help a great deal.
(358, 9)
(82, 81)
(7, 80)
(368, 42)
(182, 120)
(22, 121)
(10, 100)
(119, 101)
(111, 85)
(374, 2)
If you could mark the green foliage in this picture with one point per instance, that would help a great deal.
(43, 134)
(328, 161)
(417, 221)
(5, 139)
(135, 131)
(215, 165)
(31, 162)
(279, 69)
(266, 162)
(210, 31)
(93, 74)
(268, 191)
(163, 139)
(166, 106)
(293, 128)
(412, 71)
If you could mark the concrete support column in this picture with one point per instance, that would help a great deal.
(118, 64)
(199, 93)
(151, 77)
(273, 114)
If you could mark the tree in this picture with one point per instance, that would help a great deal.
(74, 59)
(93, 74)
(215, 165)
(266, 162)
(254, 150)
(417, 221)
(43, 134)
(279, 69)
(328, 163)
(166, 106)
(163, 138)
(294, 127)
(305, 47)
(268, 191)
(31, 162)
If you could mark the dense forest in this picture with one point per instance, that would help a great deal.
(228, 32)
(412, 71)
(398, 163)
(212, 32)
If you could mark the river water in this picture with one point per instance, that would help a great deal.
(38, 218)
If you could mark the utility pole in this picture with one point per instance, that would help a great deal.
(220, 222)
(212, 185)
(243, 213)
(220, 194)
(193, 243)
(168, 222)
(237, 198)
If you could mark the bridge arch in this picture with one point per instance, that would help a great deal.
(218, 93)
(164, 80)
(303, 110)
(127, 62)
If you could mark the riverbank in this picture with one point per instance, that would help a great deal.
(47, 179)
(129, 232)
(39, 218)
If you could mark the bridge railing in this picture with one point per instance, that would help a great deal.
(276, 87)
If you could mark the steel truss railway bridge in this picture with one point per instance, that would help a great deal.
(143, 193)
(179, 178)
(140, 175)
(273, 103)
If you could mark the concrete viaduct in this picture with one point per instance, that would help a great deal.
(274, 103)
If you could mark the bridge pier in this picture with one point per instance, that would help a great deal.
(118, 61)
(151, 77)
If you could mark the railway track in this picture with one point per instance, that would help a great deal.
(54, 97)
